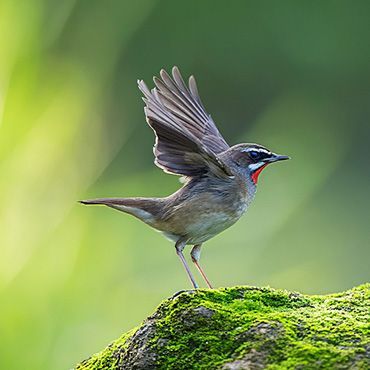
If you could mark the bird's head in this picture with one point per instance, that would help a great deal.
(251, 159)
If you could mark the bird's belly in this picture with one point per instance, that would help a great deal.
(208, 226)
(202, 221)
(202, 230)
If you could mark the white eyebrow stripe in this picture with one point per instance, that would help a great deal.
(260, 150)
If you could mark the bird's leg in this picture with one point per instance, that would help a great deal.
(195, 256)
(180, 245)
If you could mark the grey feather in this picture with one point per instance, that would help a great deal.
(187, 140)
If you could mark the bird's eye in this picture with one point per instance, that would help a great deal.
(254, 154)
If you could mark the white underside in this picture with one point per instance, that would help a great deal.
(206, 228)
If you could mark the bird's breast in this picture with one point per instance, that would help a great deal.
(205, 215)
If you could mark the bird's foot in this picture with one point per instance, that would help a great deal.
(189, 291)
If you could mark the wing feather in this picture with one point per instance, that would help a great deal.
(187, 140)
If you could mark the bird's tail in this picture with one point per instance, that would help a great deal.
(145, 209)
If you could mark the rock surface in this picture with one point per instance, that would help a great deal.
(247, 328)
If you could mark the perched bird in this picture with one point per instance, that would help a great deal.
(219, 181)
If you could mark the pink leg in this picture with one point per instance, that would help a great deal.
(195, 256)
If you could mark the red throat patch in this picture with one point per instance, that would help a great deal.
(257, 172)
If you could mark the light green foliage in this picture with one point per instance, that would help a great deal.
(235, 327)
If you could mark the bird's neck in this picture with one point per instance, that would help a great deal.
(246, 187)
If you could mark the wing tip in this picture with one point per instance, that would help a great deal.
(163, 73)
(143, 87)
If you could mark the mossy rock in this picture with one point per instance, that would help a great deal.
(247, 328)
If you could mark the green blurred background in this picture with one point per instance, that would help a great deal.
(293, 76)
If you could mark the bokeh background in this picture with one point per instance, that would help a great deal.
(291, 75)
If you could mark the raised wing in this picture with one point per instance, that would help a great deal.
(187, 140)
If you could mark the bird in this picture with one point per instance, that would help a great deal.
(219, 181)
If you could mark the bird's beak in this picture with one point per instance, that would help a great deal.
(276, 158)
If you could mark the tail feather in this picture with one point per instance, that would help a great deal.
(145, 209)
(105, 201)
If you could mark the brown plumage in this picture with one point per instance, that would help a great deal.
(220, 181)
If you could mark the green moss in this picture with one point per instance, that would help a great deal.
(107, 358)
(244, 327)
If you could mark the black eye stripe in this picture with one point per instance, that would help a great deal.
(258, 154)
(254, 154)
